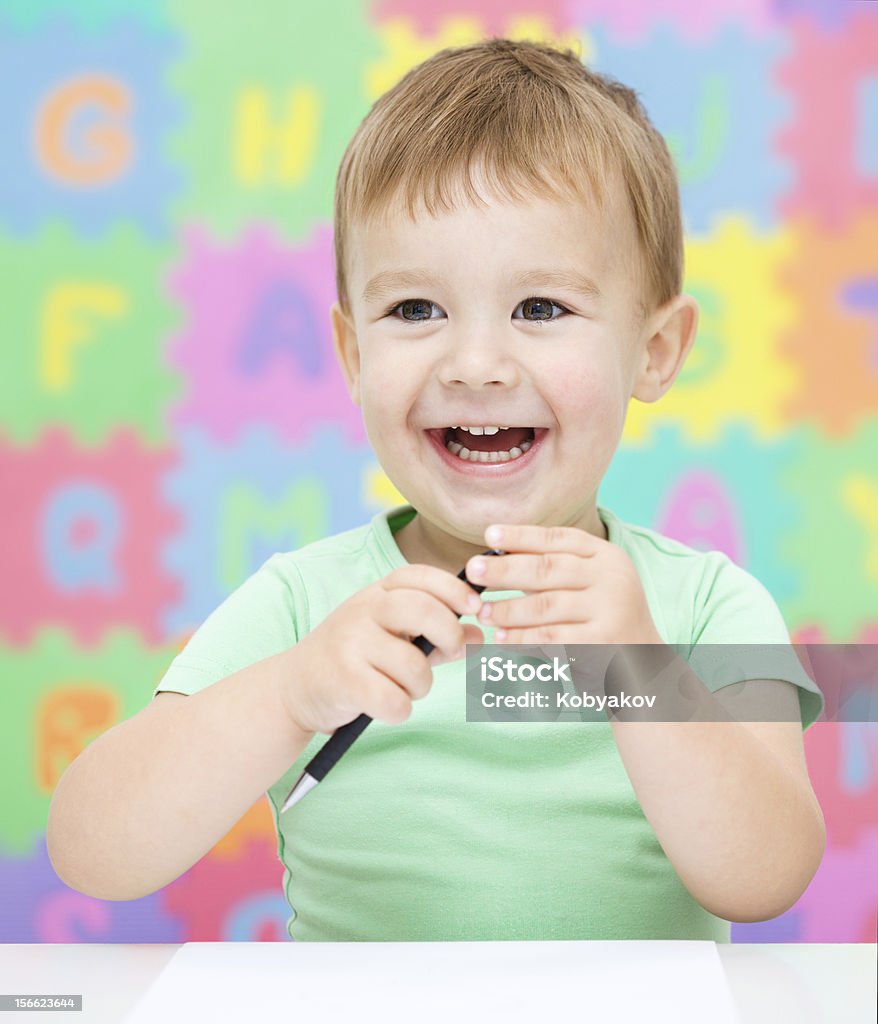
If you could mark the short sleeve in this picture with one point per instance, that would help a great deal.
(740, 635)
(255, 621)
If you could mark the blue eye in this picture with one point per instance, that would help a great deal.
(546, 305)
(418, 305)
(412, 310)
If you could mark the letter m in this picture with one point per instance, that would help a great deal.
(299, 517)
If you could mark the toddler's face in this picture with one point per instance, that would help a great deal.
(520, 316)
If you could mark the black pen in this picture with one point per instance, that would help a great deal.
(344, 736)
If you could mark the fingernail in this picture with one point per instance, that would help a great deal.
(485, 613)
(493, 535)
(473, 602)
(500, 634)
(476, 567)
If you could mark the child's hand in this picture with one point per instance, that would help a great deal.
(579, 589)
(360, 659)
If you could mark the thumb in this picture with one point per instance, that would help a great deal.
(471, 635)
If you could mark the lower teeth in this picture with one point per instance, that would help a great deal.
(506, 456)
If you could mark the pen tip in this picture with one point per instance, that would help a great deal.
(304, 784)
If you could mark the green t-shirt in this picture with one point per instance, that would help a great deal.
(443, 829)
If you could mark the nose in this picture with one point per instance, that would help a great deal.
(478, 358)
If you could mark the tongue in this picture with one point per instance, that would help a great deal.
(502, 441)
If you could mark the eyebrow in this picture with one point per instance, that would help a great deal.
(387, 281)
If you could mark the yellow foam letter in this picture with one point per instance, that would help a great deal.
(860, 494)
(63, 325)
(293, 139)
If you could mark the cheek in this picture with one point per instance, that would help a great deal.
(388, 395)
(383, 380)
(590, 395)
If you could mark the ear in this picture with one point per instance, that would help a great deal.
(666, 341)
(347, 351)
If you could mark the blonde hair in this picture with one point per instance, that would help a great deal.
(539, 122)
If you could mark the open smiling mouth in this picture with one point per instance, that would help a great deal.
(487, 444)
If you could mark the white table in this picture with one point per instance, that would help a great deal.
(771, 983)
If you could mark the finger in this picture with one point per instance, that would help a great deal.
(457, 594)
(410, 613)
(472, 636)
(404, 664)
(437, 625)
(548, 633)
(527, 537)
(540, 608)
(384, 700)
(542, 571)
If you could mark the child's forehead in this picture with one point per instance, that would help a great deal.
(407, 207)
(586, 219)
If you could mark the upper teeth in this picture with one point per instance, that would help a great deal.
(481, 430)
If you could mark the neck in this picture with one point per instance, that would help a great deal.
(423, 543)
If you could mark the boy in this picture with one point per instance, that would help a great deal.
(509, 269)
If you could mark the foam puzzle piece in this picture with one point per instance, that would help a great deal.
(832, 338)
(714, 102)
(84, 118)
(832, 135)
(88, 527)
(256, 339)
(272, 102)
(240, 503)
(85, 319)
(736, 372)
(720, 497)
